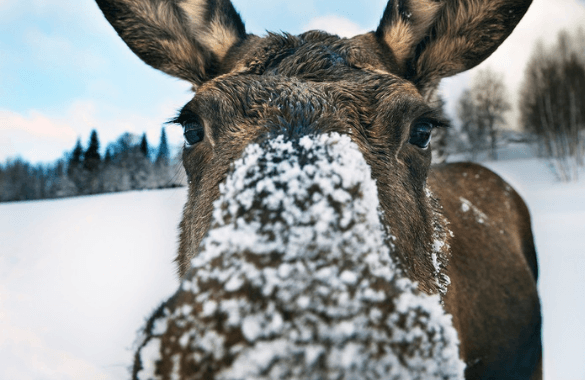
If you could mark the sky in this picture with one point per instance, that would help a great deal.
(64, 71)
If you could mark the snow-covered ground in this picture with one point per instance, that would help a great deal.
(77, 279)
(79, 276)
(558, 221)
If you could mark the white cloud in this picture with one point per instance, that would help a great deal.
(335, 25)
(543, 21)
(33, 136)
(38, 137)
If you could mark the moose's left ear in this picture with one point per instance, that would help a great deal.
(434, 39)
(188, 39)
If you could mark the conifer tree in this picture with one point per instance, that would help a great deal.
(75, 170)
(108, 157)
(76, 155)
(144, 145)
(162, 167)
(163, 150)
(92, 158)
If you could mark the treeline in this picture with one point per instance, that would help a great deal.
(129, 163)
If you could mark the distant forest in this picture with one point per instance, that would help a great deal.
(129, 163)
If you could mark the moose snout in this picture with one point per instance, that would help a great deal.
(295, 279)
(297, 193)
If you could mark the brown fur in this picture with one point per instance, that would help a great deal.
(185, 39)
(405, 24)
(376, 86)
(490, 259)
(443, 38)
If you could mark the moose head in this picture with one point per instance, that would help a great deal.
(316, 231)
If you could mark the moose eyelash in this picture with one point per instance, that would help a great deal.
(183, 116)
(435, 117)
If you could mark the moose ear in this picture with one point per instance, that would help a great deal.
(188, 39)
(434, 39)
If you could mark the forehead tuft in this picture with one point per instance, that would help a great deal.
(305, 77)
(314, 55)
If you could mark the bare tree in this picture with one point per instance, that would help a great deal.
(489, 92)
(92, 165)
(470, 124)
(481, 111)
(552, 102)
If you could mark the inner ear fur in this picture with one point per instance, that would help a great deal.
(434, 39)
(188, 39)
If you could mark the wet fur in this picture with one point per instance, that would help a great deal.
(375, 85)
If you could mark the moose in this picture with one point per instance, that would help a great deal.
(317, 241)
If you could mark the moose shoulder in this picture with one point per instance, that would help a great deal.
(317, 241)
(493, 271)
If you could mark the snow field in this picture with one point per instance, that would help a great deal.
(79, 276)
(558, 222)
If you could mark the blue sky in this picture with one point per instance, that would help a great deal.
(64, 71)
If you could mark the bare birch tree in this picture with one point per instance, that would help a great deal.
(481, 111)
(552, 102)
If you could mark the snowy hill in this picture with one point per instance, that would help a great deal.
(79, 276)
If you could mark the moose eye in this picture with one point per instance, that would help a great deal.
(193, 133)
(420, 134)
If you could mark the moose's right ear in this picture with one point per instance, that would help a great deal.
(434, 39)
(188, 39)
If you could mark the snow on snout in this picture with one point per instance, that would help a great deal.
(295, 280)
